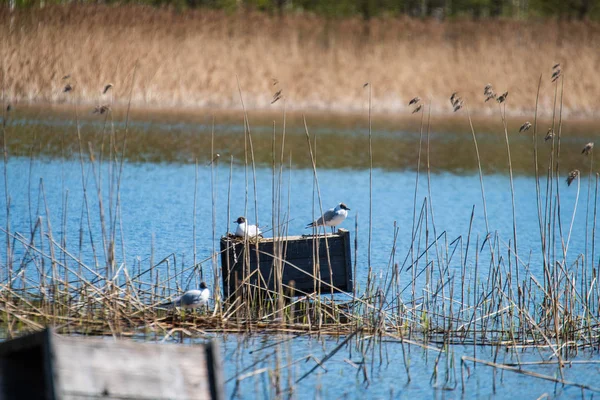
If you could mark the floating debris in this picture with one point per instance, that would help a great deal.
(572, 176)
(525, 127)
(549, 134)
(414, 100)
(416, 110)
(588, 148)
(106, 88)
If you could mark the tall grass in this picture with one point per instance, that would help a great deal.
(188, 59)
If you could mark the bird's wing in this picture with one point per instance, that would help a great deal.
(190, 297)
(328, 216)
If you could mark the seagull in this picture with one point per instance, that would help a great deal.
(191, 298)
(244, 229)
(332, 217)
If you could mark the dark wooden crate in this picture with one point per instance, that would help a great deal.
(298, 251)
(48, 366)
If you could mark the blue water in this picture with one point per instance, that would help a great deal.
(156, 220)
(157, 208)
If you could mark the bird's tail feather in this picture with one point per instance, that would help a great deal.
(174, 303)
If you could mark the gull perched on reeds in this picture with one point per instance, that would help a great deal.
(332, 217)
(588, 148)
(244, 229)
(549, 134)
(525, 127)
(191, 298)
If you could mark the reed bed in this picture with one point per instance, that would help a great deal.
(187, 59)
(478, 289)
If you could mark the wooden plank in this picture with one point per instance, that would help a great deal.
(48, 366)
(124, 369)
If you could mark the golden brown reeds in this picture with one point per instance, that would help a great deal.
(188, 59)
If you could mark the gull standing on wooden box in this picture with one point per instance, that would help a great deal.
(244, 229)
(332, 217)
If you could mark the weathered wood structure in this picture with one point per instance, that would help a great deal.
(298, 258)
(48, 366)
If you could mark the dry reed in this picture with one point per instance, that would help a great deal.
(189, 59)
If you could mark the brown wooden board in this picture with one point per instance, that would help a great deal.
(298, 254)
(48, 366)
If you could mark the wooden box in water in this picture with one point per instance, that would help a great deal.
(299, 255)
(48, 366)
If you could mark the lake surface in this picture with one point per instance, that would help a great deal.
(168, 161)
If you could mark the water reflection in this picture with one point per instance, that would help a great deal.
(339, 141)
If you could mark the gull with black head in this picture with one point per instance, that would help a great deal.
(244, 229)
(191, 299)
(332, 217)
